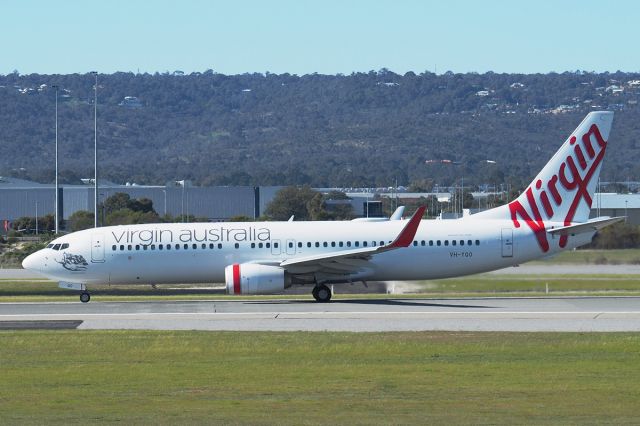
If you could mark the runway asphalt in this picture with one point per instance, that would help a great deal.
(576, 314)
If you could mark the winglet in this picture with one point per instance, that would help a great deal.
(397, 215)
(405, 237)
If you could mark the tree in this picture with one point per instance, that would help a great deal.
(117, 201)
(80, 220)
(28, 225)
(289, 201)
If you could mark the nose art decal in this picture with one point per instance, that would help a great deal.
(73, 262)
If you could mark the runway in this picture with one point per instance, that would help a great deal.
(583, 314)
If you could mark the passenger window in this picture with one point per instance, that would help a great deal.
(194, 246)
(446, 242)
(129, 247)
(325, 244)
(153, 246)
(438, 243)
(144, 247)
(168, 246)
(423, 243)
(469, 243)
(340, 244)
(290, 245)
(160, 246)
(431, 242)
(477, 242)
(299, 245)
(348, 243)
(253, 245)
(381, 243)
(211, 246)
(373, 243)
(364, 244)
(309, 244)
(177, 246)
(114, 247)
(259, 245)
(204, 246)
(237, 245)
(268, 245)
(415, 243)
(461, 242)
(275, 245)
(453, 242)
(137, 247)
(122, 248)
(219, 245)
(317, 244)
(357, 243)
(333, 243)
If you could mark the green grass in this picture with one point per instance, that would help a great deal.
(80, 377)
(597, 257)
(487, 283)
(477, 285)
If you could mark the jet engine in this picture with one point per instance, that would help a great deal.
(251, 278)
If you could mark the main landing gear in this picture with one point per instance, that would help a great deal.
(321, 293)
(85, 297)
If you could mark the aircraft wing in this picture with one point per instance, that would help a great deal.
(347, 262)
(590, 226)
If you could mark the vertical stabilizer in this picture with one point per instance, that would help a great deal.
(563, 191)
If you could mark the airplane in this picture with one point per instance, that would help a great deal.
(550, 216)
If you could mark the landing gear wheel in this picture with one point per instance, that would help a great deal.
(85, 297)
(321, 293)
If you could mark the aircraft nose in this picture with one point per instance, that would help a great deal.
(31, 262)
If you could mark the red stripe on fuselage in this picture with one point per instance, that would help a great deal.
(236, 279)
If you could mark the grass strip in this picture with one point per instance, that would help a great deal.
(83, 377)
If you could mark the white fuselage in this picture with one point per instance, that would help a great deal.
(199, 252)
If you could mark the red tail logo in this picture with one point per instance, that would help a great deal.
(573, 182)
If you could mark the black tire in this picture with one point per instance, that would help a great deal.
(85, 297)
(322, 293)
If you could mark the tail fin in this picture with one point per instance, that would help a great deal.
(563, 191)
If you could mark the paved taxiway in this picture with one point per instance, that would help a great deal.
(479, 314)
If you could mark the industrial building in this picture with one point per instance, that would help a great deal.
(21, 198)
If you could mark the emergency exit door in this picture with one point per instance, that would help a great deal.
(97, 248)
(507, 242)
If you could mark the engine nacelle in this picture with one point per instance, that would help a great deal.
(250, 278)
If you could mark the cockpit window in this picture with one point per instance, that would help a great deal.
(50, 245)
(56, 247)
(64, 246)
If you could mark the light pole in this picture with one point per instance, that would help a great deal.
(57, 190)
(164, 191)
(95, 150)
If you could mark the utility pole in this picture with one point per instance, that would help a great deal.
(57, 219)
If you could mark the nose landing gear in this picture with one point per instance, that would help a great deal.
(84, 294)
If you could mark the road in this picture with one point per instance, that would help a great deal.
(582, 314)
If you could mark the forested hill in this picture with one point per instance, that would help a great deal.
(364, 129)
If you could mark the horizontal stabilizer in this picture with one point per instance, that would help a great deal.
(591, 226)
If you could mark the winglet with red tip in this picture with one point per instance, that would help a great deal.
(405, 237)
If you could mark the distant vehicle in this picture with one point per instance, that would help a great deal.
(552, 215)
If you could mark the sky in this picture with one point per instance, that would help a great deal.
(327, 37)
